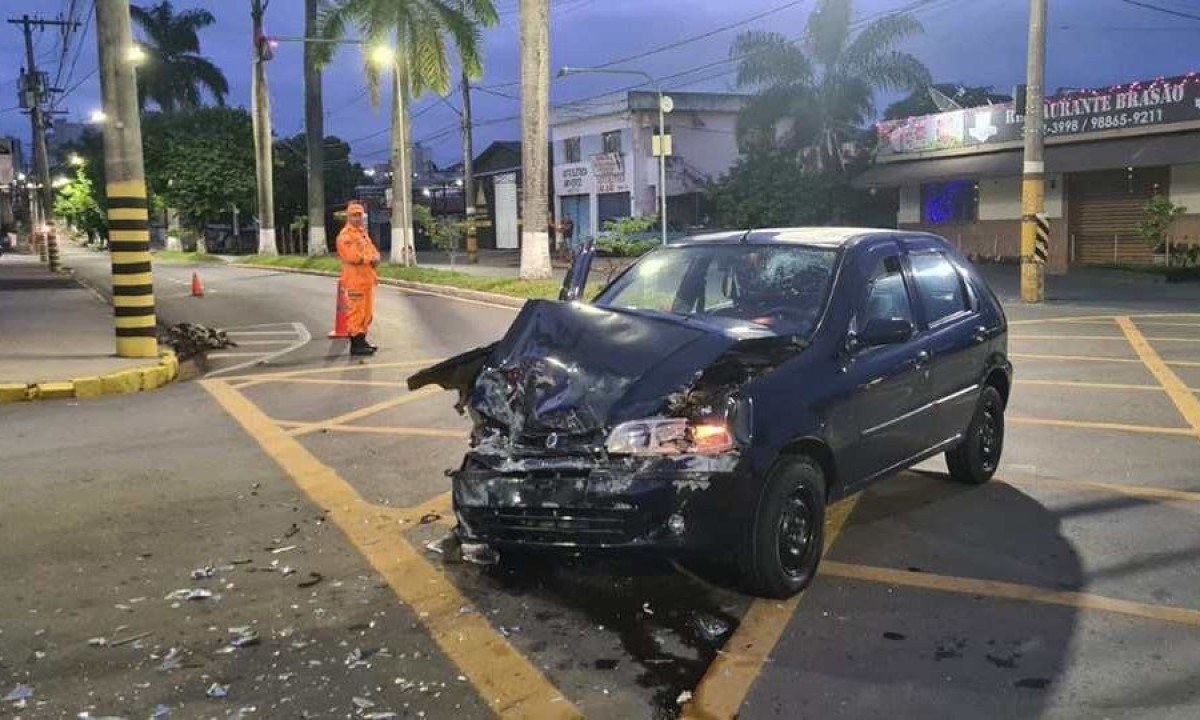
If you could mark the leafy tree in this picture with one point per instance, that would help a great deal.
(200, 163)
(420, 28)
(769, 189)
(175, 74)
(1158, 216)
(919, 102)
(811, 96)
(629, 237)
(291, 177)
(446, 235)
(77, 204)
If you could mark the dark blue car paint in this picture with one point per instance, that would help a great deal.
(863, 414)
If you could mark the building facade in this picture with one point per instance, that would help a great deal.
(1108, 152)
(604, 167)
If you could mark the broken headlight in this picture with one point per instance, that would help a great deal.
(669, 436)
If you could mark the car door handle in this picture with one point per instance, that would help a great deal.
(922, 359)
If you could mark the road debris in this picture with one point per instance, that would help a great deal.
(160, 712)
(646, 608)
(98, 642)
(131, 639)
(429, 518)
(313, 579)
(447, 546)
(171, 661)
(189, 594)
(380, 715)
(480, 554)
(203, 573)
(244, 637)
(217, 690)
(684, 698)
(711, 628)
(285, 548)
(362, 703)
(18, 694)
(190, 339)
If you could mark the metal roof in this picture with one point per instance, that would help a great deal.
(820, 236)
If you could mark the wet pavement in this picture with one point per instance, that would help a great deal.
(1065, 588)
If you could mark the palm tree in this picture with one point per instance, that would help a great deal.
(419, 29)
(813, 95)
(174, 74)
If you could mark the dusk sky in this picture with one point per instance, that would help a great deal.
(977, 42)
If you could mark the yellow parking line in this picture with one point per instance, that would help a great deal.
(729, 678)
(505, 680)
(1087, 385)
(1138, 491)
(1066, 337)
(1084, 425)
(363, 412)
(412, 431)
(1177, 390)
(1061, 318)
(1012, 591)
(321, 381)
(270, 377)
(1073, 358)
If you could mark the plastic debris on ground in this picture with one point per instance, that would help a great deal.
(447, 546)
(480, 554)
(684, 697)
(189, 594)
(160, 712)
(19, 693)
(710, 628)
(204, 572)
(362, 703)
(313, 579)
(172, 660)
(217, 690)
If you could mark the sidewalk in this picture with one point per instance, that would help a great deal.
(53, 331)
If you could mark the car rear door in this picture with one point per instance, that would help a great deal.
(890, 401)
(954, 335)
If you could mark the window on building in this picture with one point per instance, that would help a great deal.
(939, 285)
(949, 202)
(571, 151)
(610, 142)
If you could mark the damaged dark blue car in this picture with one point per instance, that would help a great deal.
(721, 392)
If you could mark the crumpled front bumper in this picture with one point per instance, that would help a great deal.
(575, 502)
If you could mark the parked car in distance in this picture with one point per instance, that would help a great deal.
(722, 391)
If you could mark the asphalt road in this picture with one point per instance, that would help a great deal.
(311, 485)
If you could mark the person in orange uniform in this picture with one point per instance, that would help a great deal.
(359, 259)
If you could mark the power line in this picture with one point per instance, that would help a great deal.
(79, 51)
(1158, 8)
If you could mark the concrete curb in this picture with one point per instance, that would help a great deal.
(443, 290)
(119, 383)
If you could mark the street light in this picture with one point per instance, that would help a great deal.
(97, 117)
(76, 159)
(664, 106)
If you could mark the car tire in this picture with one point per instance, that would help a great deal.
(783, 545)
(977, 457)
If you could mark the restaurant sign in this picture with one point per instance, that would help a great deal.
(1162, 102)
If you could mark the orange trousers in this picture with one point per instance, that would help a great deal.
(360, 309)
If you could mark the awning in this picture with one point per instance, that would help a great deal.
(1064, 158)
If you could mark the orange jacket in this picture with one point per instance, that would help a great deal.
(358, 253)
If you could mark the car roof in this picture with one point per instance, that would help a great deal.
(830, 237)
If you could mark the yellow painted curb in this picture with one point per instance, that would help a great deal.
(118, 383)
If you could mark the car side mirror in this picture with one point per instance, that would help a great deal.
(884, 331)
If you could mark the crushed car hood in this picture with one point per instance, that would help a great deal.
(574, 369)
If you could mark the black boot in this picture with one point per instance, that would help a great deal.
(359, 346)
(367, 343)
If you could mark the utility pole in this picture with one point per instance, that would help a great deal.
(468, 181)
(1034, 225)
(35, 92)
(125, 185)
(314, 128)
(261, 110)
(535, 137)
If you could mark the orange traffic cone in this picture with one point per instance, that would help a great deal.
(197, 288)
(340, 330)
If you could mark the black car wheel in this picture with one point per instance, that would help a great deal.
(975, 460)
(783, 547)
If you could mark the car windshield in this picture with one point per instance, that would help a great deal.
(781, 288)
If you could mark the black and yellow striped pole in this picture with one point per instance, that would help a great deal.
(128, 211)
(1033, 184)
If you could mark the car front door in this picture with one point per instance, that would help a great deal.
(890, 400)
(956, 339)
